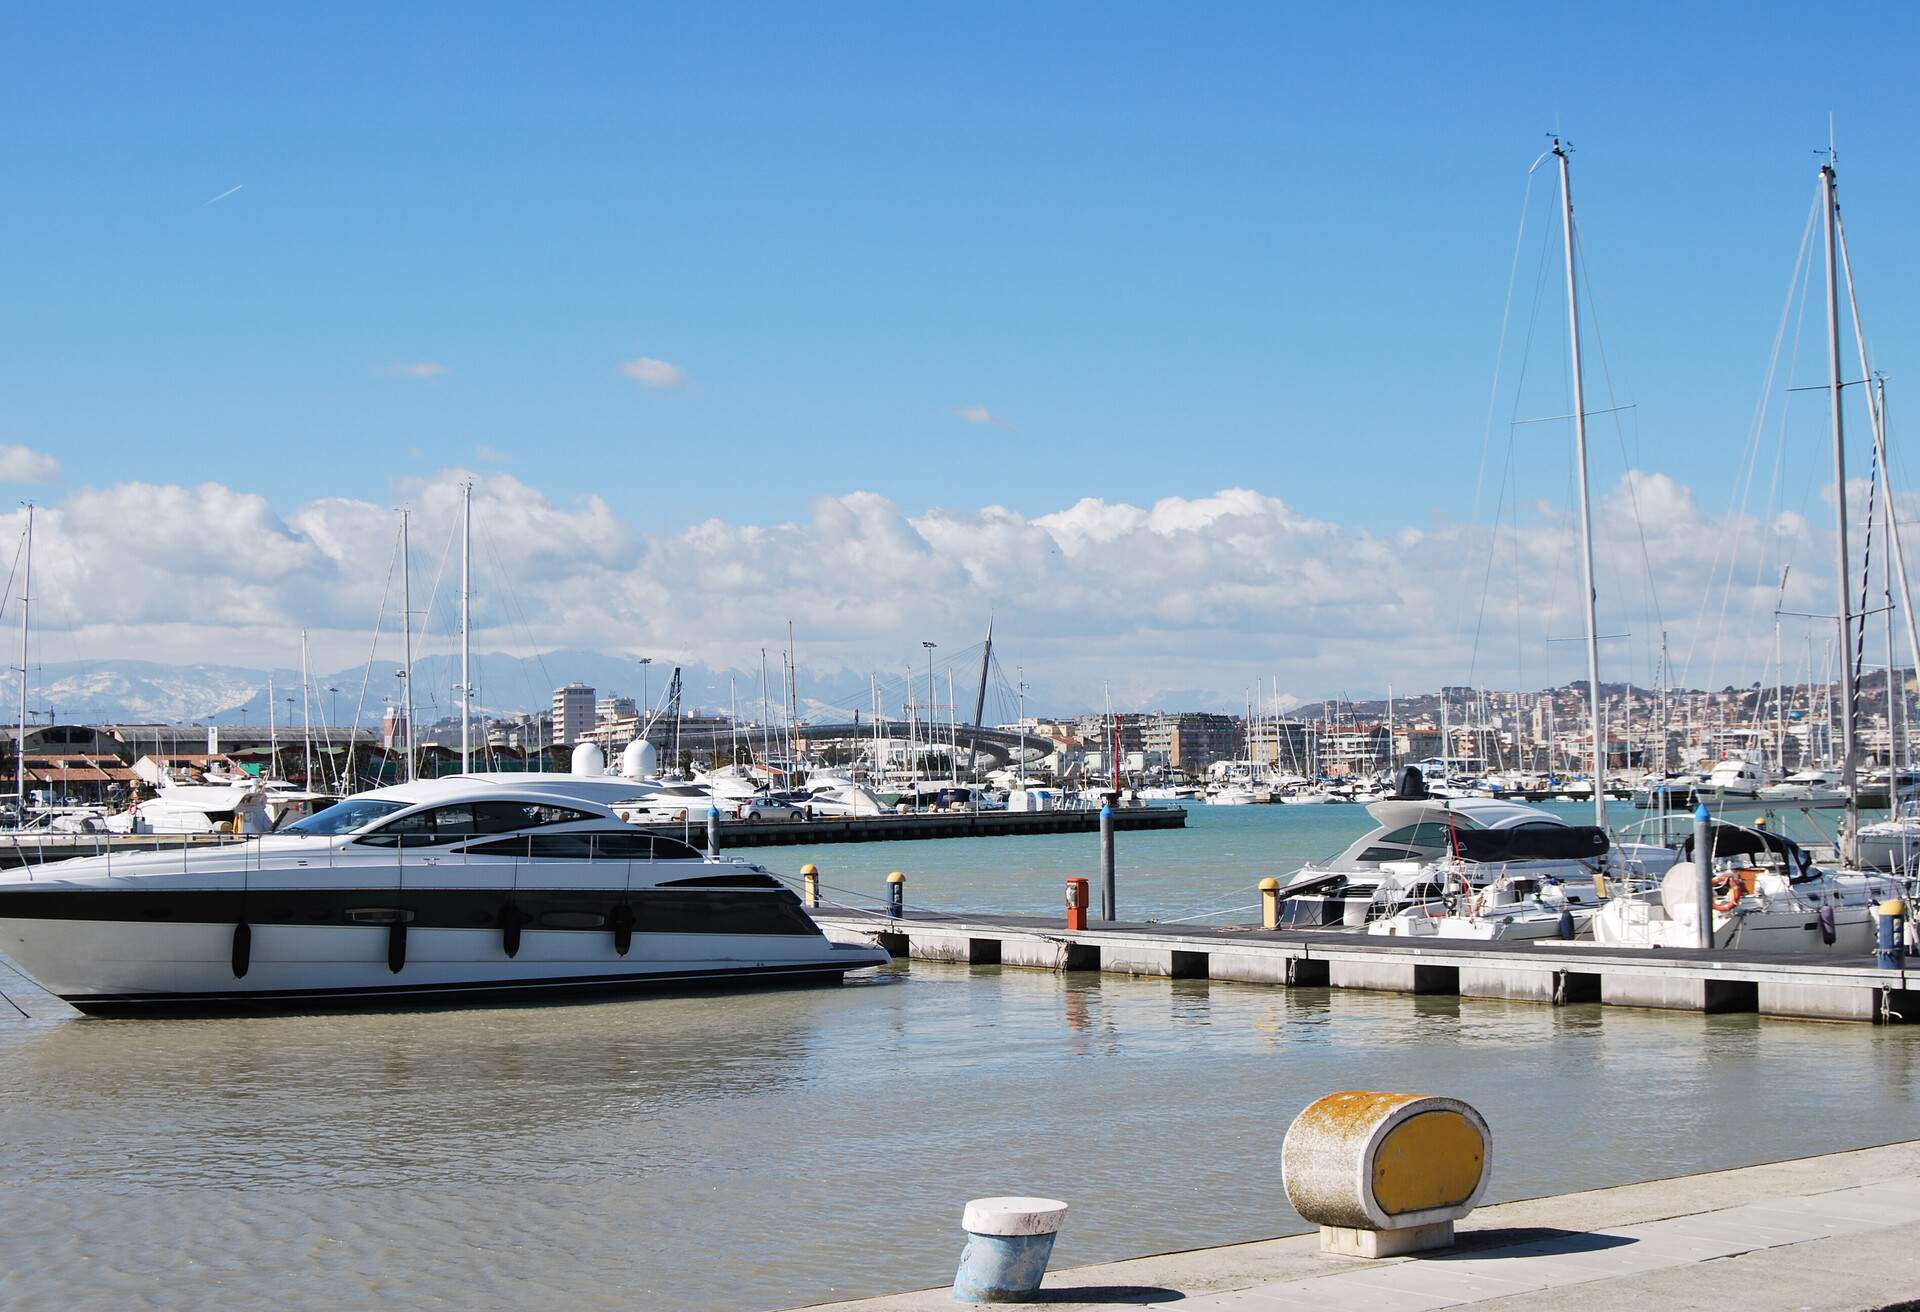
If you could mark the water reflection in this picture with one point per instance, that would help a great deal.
(358, 1099)
(721, 1152)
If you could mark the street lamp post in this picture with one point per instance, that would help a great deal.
(929, 646)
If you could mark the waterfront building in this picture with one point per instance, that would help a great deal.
(614, 707)
(1188, 740)
(573, 714)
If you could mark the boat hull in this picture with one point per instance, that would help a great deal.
(118, 967)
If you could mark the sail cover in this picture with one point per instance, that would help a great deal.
(1532, 843)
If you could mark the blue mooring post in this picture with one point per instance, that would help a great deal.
(896, 894)
(1106, 861)
(1890, 925)
(713, 831)
(1009, 1242)
(1703, 875)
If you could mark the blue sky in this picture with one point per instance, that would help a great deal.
(1175, 249)
(1170, 249)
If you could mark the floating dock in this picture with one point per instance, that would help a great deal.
(924, 824)
(1550, 971)
(37, 849)
(1841, 1230)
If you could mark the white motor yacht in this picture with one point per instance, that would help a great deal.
(835, 795)
(1769, 896)
(1892, 845)
(1513, 906)
(214, 807)
(1440, 852)
(1811, 787)
(471, 887)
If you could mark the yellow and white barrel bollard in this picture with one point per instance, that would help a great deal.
(810, 880)
(1383, 1174)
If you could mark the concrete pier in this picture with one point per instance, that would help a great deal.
(1548, 971)
(1836, 1231)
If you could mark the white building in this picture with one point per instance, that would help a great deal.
(573, 713)
(614, 707)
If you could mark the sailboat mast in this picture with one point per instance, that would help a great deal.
(1779, 680)
(1877, 412)
(406, 609)
(466, 627)
(1586, 507)
(306, 708)
(26, 605)
(1848, 779)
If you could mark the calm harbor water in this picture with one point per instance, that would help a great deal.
(755, 1151)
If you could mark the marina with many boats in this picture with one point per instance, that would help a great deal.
(671, 868)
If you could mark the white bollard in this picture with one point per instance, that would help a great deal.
(1009, 1242)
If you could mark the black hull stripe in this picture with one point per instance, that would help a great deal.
(655, 911)
(464, 993)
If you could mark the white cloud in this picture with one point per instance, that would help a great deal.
(649, 372)
(492, 455)
(979, 414)
(415, 369)
(22, 464)
(1223, 592)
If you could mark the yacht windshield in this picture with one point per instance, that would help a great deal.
(344, 817)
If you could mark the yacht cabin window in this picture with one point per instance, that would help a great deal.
(590, 846)
(344, 817)
(450, 824)
(1416, 842)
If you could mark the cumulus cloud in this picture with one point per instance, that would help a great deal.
(649, 372)
(1229, 591)
(979, 414)
(416, 369)
(22, 464)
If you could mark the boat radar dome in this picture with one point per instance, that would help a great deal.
(587, 759)
(640, 760)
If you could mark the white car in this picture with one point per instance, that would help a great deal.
(765, 808)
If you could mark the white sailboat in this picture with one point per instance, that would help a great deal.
(1767, 894)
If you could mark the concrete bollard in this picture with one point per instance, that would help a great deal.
(1890, 946)
(1270, 903)
(1009, 1241)
(896, 893)
(1383, 1174)
(810, 881)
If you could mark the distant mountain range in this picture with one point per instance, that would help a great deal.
(134, 691)
(152, 691)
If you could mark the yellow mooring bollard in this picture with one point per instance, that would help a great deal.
(896, 893)
(1270, 903)
(1383, 1174)
(810, 881)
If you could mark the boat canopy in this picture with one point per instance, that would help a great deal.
(1532, 843)
(1739, 840)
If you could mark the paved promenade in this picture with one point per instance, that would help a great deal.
(1840, 1231)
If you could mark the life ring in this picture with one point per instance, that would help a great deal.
(1729, 889)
